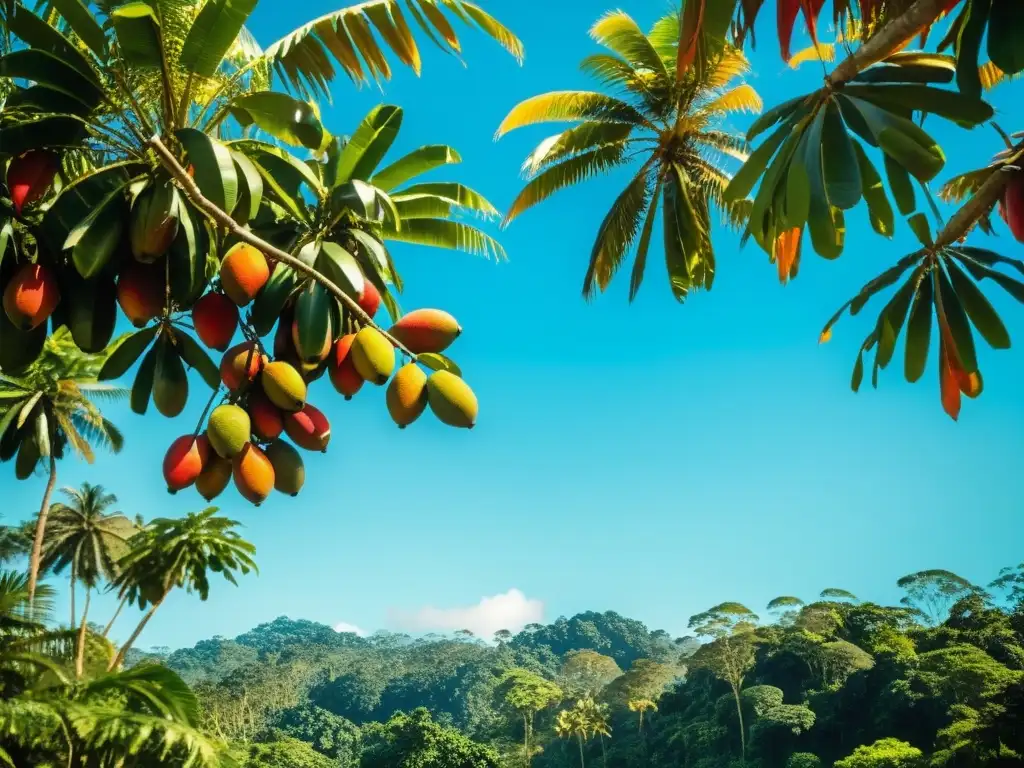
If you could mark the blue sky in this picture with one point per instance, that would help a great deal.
(652, 459)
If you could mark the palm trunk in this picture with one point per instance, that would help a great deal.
(80, 642)
(641, 721)
(37, 542)
(579, 740)
(743, 732)
(110, 624)
(119, 658)
(604, 755)
(526, 740)
(73, 613)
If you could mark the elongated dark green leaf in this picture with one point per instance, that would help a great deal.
(213, 33)
(96, 238)
(341, 268)
(919, 330)
(47, 69)
(990, 257)
(940, 71)
(766, 192)
(1011, 285)
(952, 105)
(858, 371)
(918, 224)
(250, 189)
(968, 46)
(951, 308)
(746, 177)
(78, 16)
(126, 353)
(138, 34)
(292, 121)
(215, 172)
(644, 244)
(195, 357)
(312, 318)
(457, 194)
(187, 257)
(42, 99)
(438, 362)
(42, 433)
(271, 299)
(879, 210)
(901, 139)
(142, 387)
(369, 143)
(1005, 32)
(826, 238)
(901, 185)
(415, 163)
(42, 36)
(893, 317)
(979, 310)
(774, 115)
(840, 169)
(798, 187)
(41, 132)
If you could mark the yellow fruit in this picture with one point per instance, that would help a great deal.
(289, 470)
(284, 386)
(214, 478)
(373, 356)
(451, 399)
(407, 395)
(243, 272)
(253, 474)
(228, 430)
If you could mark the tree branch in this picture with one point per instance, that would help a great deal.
(221, 217)
(968, 214)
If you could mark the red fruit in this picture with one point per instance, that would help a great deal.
(140, 292)
(1013, 205)
(308, 428)
(267, 421)
(241, 363)
(426, 330)
(31, 296)
(344, 376)
(369, 299)
(29, 176)
(215, 318)
(185, 460)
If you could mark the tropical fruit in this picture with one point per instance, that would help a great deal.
(451, 399)
(184, 461)
(289, 470)
(154, 221)
(344, 376)
(92, 312)
(253, 474)
(19, 348)
(267, 422)
(170, 382)
(140, 293)
(240, 364)
(369, 299)
(214, 478)
(243, 272)
(215, 318)
(407, 395)
(29, 176)
(1013, 205)
(284, 386)
(228, 430)
(373, 355)
(28, 457)
(31, 296)
(308, 429)
(426, 330)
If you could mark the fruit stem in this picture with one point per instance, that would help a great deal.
(206, 410)
(224, 219)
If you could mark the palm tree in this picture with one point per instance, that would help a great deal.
(642, 706)
(172, 553)
(82, 535)
(49, 407)
(573, 723)
(665, 117)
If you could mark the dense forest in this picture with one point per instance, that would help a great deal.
(936, 680)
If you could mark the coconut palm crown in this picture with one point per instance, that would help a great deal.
(667, 118)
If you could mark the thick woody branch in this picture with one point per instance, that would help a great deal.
(224, 219)
(894, 34)
(981, 201)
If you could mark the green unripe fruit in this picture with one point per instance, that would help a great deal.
(228, 430)
(289, 469)
(170, 382)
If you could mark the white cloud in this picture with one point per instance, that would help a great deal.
(511, 610)
(344, 626)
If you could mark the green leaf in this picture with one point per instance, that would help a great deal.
(42, 99)
(46, 69)
(53, 131)
(42, 36)
(798, 191)
(270, 301)
(453, 235)
(766, 192)
(369, 143)
(922, 231)
(290, 120)
(212, 34)
(783, 111)
(195, 357)
(919, 329)
(27, 408)
(879, 210)
(644, 244)
(839, 162)
(375, 255)
(453, 192)
(746, 177)
(901, 139)
(313, 318)
(251, 190)
(826, 238)
(892, 318)
(438, 362)
(414, 164)
(968, 46)
(138, 35)
(142, 387)
(186, 259)
(952, 105)
(126, 353)
(940, 71)
(76, 13)
(1005, 33)
(215, 172)
(42, 430)
(901, 185)
(285, 171)
(979, 310)
(96, 237)
(341, 268)
(952, 310)
(858, 371)
(6, 233)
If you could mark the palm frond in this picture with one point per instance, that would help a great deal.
(562, 106)
(617, 233)
(618, 32)
(825, 52)
(730, 64)
(453, 235)
(726, 143)
(574, 140)
(457, 194)
(741, 98)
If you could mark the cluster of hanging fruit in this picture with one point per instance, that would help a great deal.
(255, 434)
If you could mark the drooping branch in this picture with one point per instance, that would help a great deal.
(984, 197)
(191, 189)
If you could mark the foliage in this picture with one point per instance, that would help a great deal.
(414, 740)
(884, 753)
